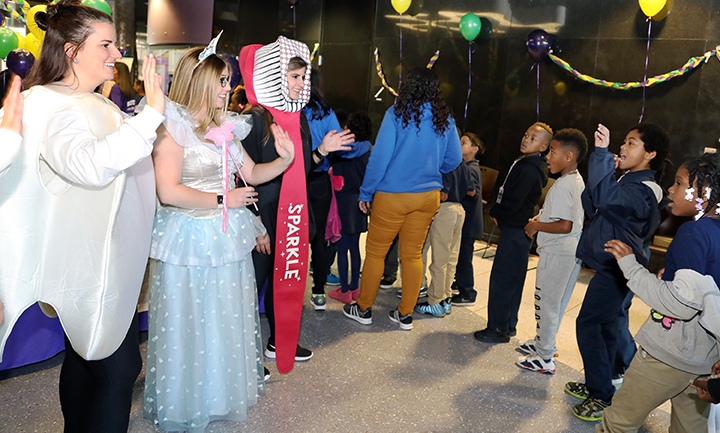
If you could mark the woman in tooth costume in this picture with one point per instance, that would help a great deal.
(76, 211)
(204, 362)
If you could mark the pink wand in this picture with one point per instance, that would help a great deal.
(221, 136)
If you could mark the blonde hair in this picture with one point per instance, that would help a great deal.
(195, 86)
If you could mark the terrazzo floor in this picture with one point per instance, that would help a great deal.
(377, 378)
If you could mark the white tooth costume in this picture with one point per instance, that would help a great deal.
(76, 214)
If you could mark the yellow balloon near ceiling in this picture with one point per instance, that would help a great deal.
(651, 7)
(401, 6)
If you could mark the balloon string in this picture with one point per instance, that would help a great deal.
(400, 75)
(294, 23)
(467, 99)
(647, 56)
(538, 93)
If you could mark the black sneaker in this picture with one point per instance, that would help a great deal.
(387, 283)
(459, 301)
(267, 374)
(301, 353)
(488, 335)
(354, 312)
(405, 322)
(422, 294)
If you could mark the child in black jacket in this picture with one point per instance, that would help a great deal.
(515, 205)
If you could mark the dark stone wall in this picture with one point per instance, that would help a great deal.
(602, 38)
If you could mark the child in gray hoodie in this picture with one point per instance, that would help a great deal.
(679, 341)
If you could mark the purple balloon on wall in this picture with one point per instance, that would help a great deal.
(234, 70)
(538, 44)
(20, 62)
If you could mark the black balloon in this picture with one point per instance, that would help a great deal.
(415, 7)
(234, 70)
(539, 45)
(20, 62)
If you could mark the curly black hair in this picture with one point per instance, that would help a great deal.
(704, 172)
(360, 125)
(575, 139)
(422, 86)
(655, 139)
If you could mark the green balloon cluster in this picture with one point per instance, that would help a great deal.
(470, 26)
(99, 5)
(8, 41)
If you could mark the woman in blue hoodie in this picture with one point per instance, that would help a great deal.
(416, 143)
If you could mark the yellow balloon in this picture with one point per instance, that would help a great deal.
(400, 6)
(33, 45)
(32, 25)
(664, 11)
(21, 41)
(560, 88)
(651, 7)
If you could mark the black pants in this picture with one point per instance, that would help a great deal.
(507, 278)
(391, 261)
(320, 197)
(464, 271)
(96, 396)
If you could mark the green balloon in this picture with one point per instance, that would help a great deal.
(99, 5)
(470, 26)
(8, 42)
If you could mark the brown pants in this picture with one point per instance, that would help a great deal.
(406, 214)
(647, 384)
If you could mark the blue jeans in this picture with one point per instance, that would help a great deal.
(597, 331)
(507, 278)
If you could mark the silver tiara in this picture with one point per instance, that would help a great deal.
(209, 50)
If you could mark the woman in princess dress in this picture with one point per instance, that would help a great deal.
(204, 361)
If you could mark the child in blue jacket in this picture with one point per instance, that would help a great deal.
(627, 210)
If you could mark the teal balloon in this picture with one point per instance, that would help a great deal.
(100, 5)
(470, 26)
(8, 41)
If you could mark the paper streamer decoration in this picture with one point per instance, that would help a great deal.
(433, 59)
(381, 74)
(22, 3)
(688, 66)
(314, 51)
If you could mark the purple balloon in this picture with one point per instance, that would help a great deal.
(538, 45)
(20, 62)
(234, 70)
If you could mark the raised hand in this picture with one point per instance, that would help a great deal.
(153, 84)
(13, 106)
(334, 141)
(602, 136)
(283, 144)
(241, 197)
